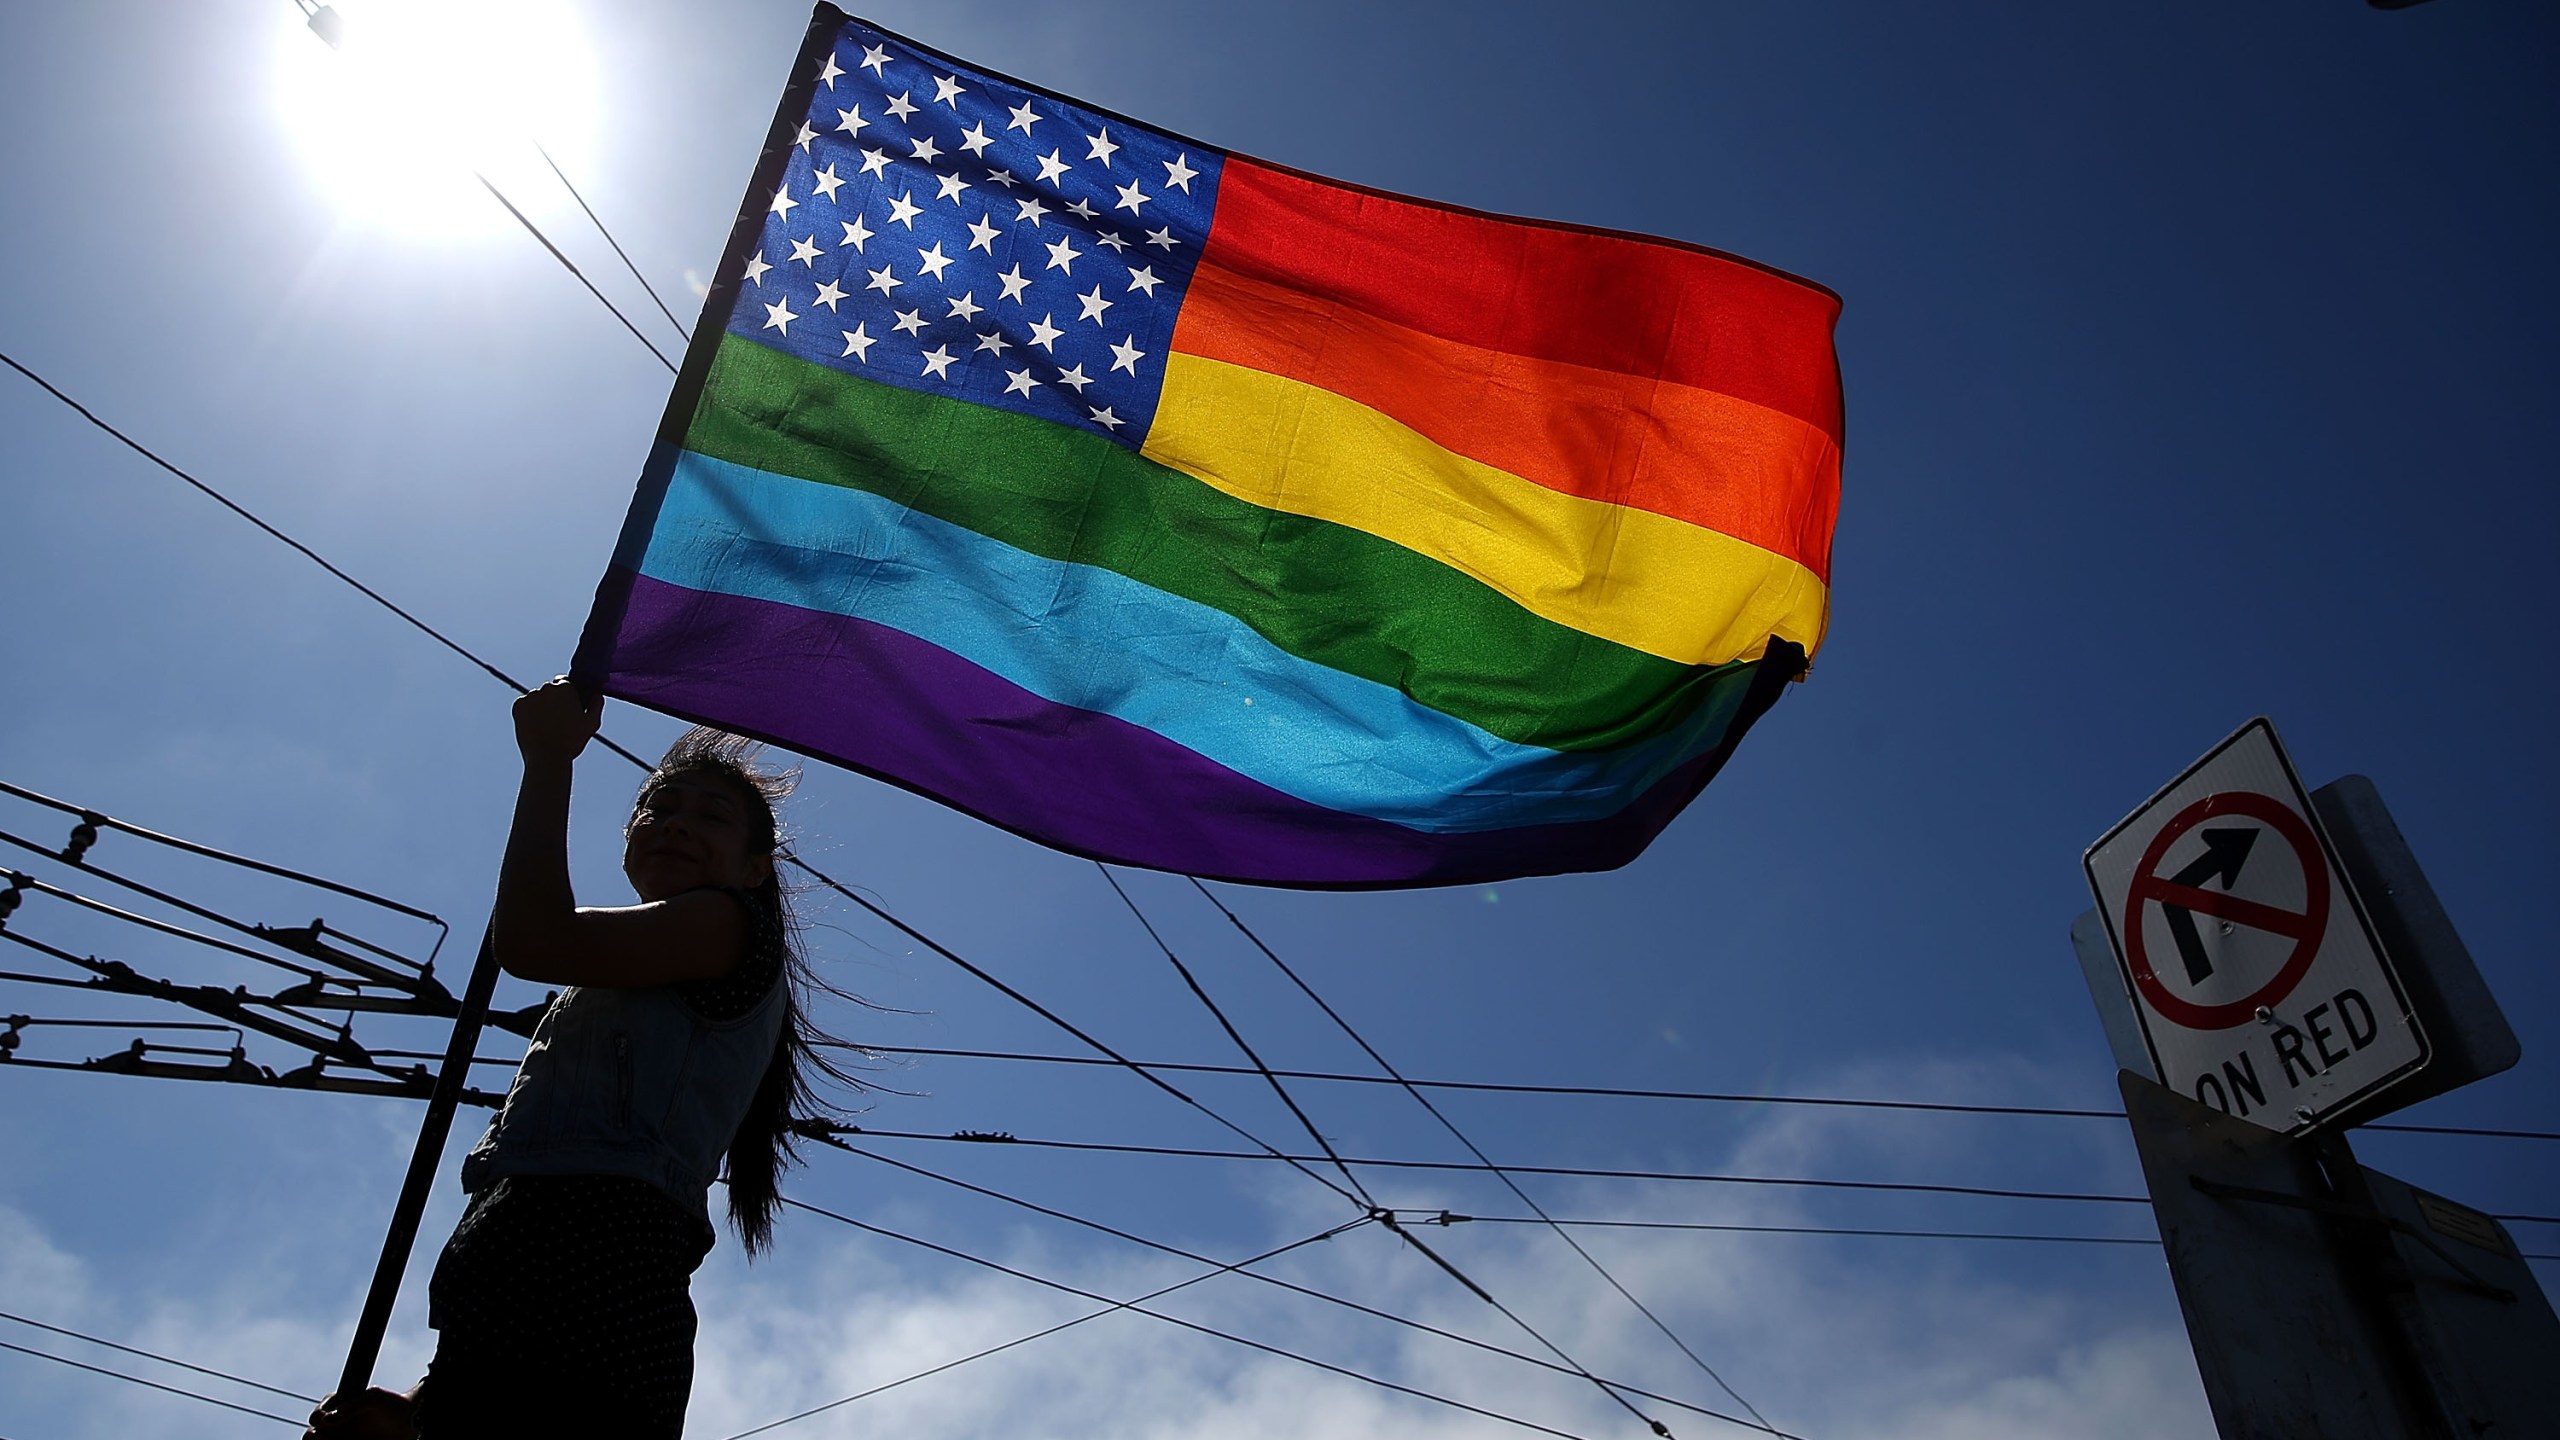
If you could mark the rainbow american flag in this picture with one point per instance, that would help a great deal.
(1187, 511)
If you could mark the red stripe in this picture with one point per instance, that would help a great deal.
(1638, 306)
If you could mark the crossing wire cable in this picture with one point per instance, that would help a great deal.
(1043, 1334)
(153, 1384)
(1426, 1217)
(1209, 1330)
(1446, 1266)
(1235, 1035)
(1461, 1136)
(165, 1360)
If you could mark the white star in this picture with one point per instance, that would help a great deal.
(782, 204)
(1094, 304)
(1051, 167)
(1163, 237)
(884, 280)
(831, 71)
(829, 294)
(875, 58)
(899, 106)
(1144, 278)
(1178, 173)
(993, 341)
(1111, 238)
(855, 233)
(756, 268)
(952, 185)
(909, 322)
(1126, 355)
(1017, 382)
(932, 262)
(805, 250)
(1099, 147)
(1014, 283)
(1131, 197)
(1023, 118)
(1031, 210)
(1003, 178)
(875, 162)
(851, 121)
(1063, 255)
(903, 210)
(1044, 334)
(1074, 375)
(982, 236)
(976, 139)
(948, 89)
(858, 342)
(964, 308)
(776, 317)
(925, 149)
(828, 182)
(1081, 209)
(805, 136)
(1107, 420)
(937, 360)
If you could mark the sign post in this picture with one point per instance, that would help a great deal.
(2272, 969)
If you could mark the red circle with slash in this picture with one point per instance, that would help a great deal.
(2304, 927)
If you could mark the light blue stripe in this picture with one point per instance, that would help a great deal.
(1092, 638)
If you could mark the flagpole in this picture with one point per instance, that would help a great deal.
(424, 1161)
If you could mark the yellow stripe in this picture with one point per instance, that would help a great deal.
(1645, 580)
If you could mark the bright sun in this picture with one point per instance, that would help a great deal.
(425, 91)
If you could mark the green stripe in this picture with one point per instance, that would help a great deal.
(1324, 592)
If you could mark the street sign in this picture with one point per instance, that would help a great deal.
(2255, 976)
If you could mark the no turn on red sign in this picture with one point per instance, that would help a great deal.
(2254, 972)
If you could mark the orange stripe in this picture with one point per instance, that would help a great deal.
(1709, 459)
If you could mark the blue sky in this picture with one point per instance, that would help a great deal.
(2197, 362)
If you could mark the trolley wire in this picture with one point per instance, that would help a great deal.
(1388, 1220)
(1481, 1167)
(1138, 1307)
(1042, 1334)
(163, 1359)
(153, 1384)
(1606, 1092)
(654, 297)
(1473, 1149)
(1425, 1218)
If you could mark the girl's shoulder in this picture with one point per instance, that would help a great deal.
(731, 996)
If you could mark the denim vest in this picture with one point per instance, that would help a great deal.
(629, 1081)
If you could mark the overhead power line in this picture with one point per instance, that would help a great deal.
(1229, 1336)
(1042, 1334)
(625, 256)
(1579, 1172)
(1397, 1077)
(1424, 1218)
(163, 1359)
(1606, 1092)
(152, 1384)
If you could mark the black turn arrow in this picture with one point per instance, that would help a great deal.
(2225, 851)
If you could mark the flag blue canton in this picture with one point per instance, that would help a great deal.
(949, 231)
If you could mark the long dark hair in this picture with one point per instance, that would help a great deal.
(797, 1078)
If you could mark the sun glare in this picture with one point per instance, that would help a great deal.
(423, 92)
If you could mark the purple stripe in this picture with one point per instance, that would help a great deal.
(892, 706)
